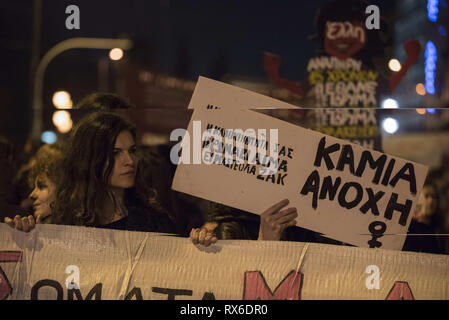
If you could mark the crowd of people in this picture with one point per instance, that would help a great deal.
(99, 177)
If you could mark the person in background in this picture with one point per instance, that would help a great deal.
(99, 101)
(7, 168)
(45, 169)
(426, 223)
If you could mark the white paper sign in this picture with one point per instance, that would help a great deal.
(222, 95)
(347, 192)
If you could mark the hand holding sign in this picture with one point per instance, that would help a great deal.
(25, 224)
(273, 221)
(202, 236)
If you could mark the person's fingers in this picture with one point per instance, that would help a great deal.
(285, 216)
(276, 207)
(291, 223)
(210, 239)
(10, 222)
(25, 225)
(213, 238)
(202, 235)
(206, 241)
(286, 221)
(31, 222)
(194, 235)
(18, 222)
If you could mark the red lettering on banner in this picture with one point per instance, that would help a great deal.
(400, 291)
(255, 287)
(5, 286)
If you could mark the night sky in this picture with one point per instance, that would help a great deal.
(180, 38)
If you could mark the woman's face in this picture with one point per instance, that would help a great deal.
(427, 203)
(125, 161)
(42, 195)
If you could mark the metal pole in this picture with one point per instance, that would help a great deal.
(88, 43)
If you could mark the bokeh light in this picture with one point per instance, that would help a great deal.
(62, 100)
(394, 65)
(116, 54)
(390, 125)
(420, 89)
(49, 137)
(390, 104)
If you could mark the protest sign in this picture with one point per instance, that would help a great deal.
(222, 95)
(349, 193)
(66, 262)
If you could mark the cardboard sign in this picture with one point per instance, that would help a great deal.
(347, 192)
(65, 262)
(222, 95)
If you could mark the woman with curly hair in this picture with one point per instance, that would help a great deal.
(45, 169)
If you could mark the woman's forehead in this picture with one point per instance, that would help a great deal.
(124, 140)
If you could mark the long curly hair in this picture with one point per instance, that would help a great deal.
(87, 167)
(46, 162)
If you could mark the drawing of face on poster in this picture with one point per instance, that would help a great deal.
(344, 39)
(349, 70)
(343, 74)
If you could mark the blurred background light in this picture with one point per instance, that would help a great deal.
(389, 104)
(420, 89)
(49, 137)
(430, 66)
(430, 110)
(432, 10)
(394, 65)
(61, 118)
(421, 111)
(66, 126)
(116, 54)
(62, 100)
(390, 125)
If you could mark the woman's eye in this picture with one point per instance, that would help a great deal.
(41, 185)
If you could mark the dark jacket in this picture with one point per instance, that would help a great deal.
(418, 242)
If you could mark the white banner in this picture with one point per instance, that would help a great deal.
(64, 262)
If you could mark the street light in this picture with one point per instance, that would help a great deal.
(116, 54)
(394, 65)
(61, 100)
(81, 43)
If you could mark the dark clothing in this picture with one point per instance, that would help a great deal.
(241, 225)
(142, 217)
(421, 243)
(117, 225)
(157, 170)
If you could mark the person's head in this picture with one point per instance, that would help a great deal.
(100, 159)
(103, 102)
(427, 207)
(42, 178)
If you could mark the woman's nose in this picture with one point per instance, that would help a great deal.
(128, 159)
(33, 195)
